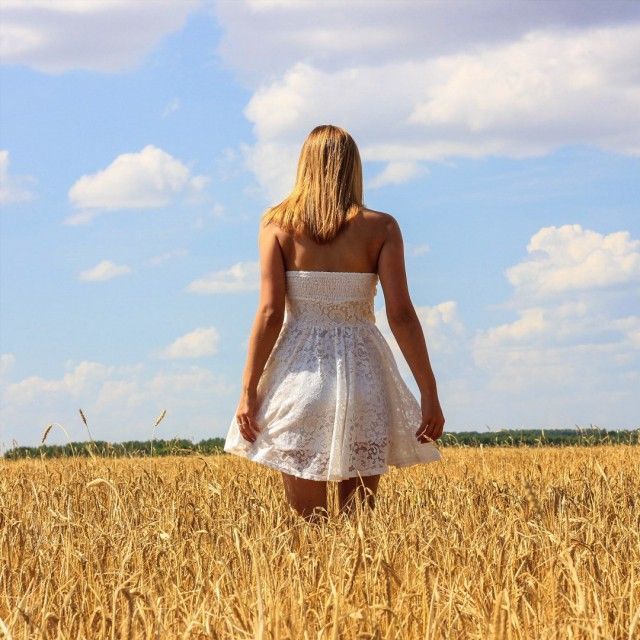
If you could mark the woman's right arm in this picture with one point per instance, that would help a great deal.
(407, 330)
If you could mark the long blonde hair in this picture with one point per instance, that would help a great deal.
(328, 188)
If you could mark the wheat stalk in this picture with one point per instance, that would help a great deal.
(159, 419)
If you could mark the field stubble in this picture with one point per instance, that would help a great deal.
(532, 543)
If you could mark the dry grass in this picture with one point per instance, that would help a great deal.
(490, 543)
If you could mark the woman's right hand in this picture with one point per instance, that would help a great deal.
(432, 423)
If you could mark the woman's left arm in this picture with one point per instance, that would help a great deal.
(266, 327)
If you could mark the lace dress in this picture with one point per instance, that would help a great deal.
(331, 402)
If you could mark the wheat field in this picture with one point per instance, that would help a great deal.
(529, 543)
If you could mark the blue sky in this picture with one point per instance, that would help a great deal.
(140, 143)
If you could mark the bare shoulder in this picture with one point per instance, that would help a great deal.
(382, 218)
(268, 226)
(269, 230)
(375, 216)
(384, 223)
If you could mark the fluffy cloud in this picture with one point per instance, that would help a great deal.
(419, 249)
(397, 173)
(530, 96)
(120, 402)
(171, 107)
(445, 335)
(570, 356)
(242, 276)
(7, 360)
(104, 270)
(198, 343)
(13, 188)
(570, 258)
(167, 255)
(218, 212)
(262, 37)
(98, 35)
(420, 82)
(140, 180)
(576, 334)
(83, 378)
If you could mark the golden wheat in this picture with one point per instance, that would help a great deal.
(532, 543)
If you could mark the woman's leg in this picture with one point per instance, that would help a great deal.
(363, 489)
(307, 497)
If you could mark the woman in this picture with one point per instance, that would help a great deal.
(322, 398)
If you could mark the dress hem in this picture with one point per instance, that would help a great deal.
(313, 476)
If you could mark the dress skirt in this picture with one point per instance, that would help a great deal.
(332, 404)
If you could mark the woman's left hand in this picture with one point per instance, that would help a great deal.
(246, 416)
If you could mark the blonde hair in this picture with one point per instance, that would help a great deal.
(328, 188)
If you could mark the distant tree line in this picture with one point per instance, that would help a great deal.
(180, 447)
(132, 448)
(542, 437)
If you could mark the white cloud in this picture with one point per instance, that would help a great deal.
(397, 173)
(531, 323)
(273, 164)
(7, 360)
(530, 96)
(80, 217)
(140, 180)
(261, 39)
(569, 258)
(420, 249)
(441, 315)
(13, 188)
(229, 163)
(443, 329)
(198, 343)
(574, 334)
(629, 326)
(104, 270)
(167, 255)
(120, 402)
(97, 35)
(425, 82)
(216, 212)
(172, 107)
(242, 276)
(83, 378)
(564, 360)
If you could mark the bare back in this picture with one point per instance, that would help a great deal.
(371, 243)
(356, 248)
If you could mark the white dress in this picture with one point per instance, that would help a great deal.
(331, 402)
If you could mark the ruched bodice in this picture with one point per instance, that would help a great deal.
(331, 402)
(330, 297)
